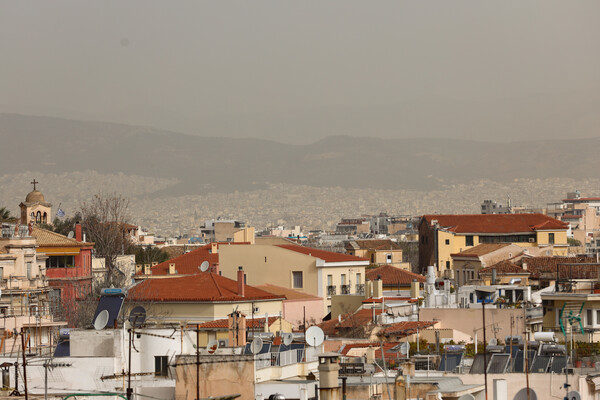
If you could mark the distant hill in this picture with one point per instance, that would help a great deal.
(209, 164)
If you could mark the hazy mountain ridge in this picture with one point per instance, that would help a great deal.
(205, 164)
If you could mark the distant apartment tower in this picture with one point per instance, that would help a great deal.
(226, 231)
(493, 207)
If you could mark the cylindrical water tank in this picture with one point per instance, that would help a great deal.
(5, 378)
(544, 337)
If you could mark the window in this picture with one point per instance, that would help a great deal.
(161, 366)
(447, 241)
(551, 238)
(297, 279)
(29, 270)
(372, 258)
(388, 258)
(469, 240)
(358, 278)
(343, 279)
(589, 318)
(447, 264)
(329, 280)
(1, 272)
(60, 262)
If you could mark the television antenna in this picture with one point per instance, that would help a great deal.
(101, 320)
(314, 336)
(204, 266)
(212, 346)
(256, 345)
(287, 339)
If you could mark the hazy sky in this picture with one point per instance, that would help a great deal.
(299, 71)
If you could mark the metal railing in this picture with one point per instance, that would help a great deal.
(331, 290)
(345, 289)
(360, 288)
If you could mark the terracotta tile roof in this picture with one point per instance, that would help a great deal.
(496, 223)
(359, 318)
(289, 294)
(256, 323)
(329, 327)
(581, 199)
(45, 238)
(393, 276)
(480, 250)
(327, 256)
(571, 216)
(377, 244)
(387, 349)
(545, 267)
(503, 267)
(202, 287)
(380, 300)
(407, 328)
(188, 263)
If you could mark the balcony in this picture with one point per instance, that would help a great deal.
(360, 288)
(345, 289)
(331, 290)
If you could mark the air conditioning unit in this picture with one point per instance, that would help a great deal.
(256, 309)
(531, 240)
(223, 342)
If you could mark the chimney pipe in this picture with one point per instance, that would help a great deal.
(171, 268)
(78, 235)
(240, 282)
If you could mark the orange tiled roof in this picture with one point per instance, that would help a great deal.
(257, 323)
(288, 293)
(407, 328)
(375, 244)
(503, 267)
(201, 287)
(496, 223)
(188, 263)
(359, 318)
(387, 349)
(480, 250)
(327, 256)
(393, 276)
(546, 266)
(46, 238)
(571, 216)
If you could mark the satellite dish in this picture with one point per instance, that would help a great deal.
(314, 336)
(71, 235)
(204, 266)
(522, 394)
(404, 348)
(288, 338)
(467, 396)
(573, 395)
(101, 320)
(212, 346)
(256, 345)
(493, 342)
(137, 316)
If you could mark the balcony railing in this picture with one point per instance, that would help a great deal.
(360, 288)
(345, 289)
(331, 290)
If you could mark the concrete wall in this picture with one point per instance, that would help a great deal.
(468, 319)
(294, 310)
(235, 375)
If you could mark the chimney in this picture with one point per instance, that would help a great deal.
(78, 235)
(147, 270)
(215, 268)
(172, 269)
(240, 282)
(214, 248)
(237, 329)
(524, 266)
(138, 268)
(414, 289)
(378, 288)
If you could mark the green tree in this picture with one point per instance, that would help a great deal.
(573, 242)
(5, 215)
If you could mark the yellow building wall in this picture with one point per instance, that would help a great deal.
(244, 235)
(456, 244)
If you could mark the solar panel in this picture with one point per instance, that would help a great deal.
(113, 305)
(478, 366)
(63, 349)
(266, 348)
(247, 349)
(518, 363)
(541, 364)
(498, 363)
(559, 363)
(283, 347)
(449, 362)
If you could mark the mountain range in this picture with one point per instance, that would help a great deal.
(203, 164)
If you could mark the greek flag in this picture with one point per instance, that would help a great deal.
(60, 213)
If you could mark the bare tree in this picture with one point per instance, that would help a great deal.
(105, 219)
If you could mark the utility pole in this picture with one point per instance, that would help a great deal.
(129, 390)
(197, 362)
(24, 363)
